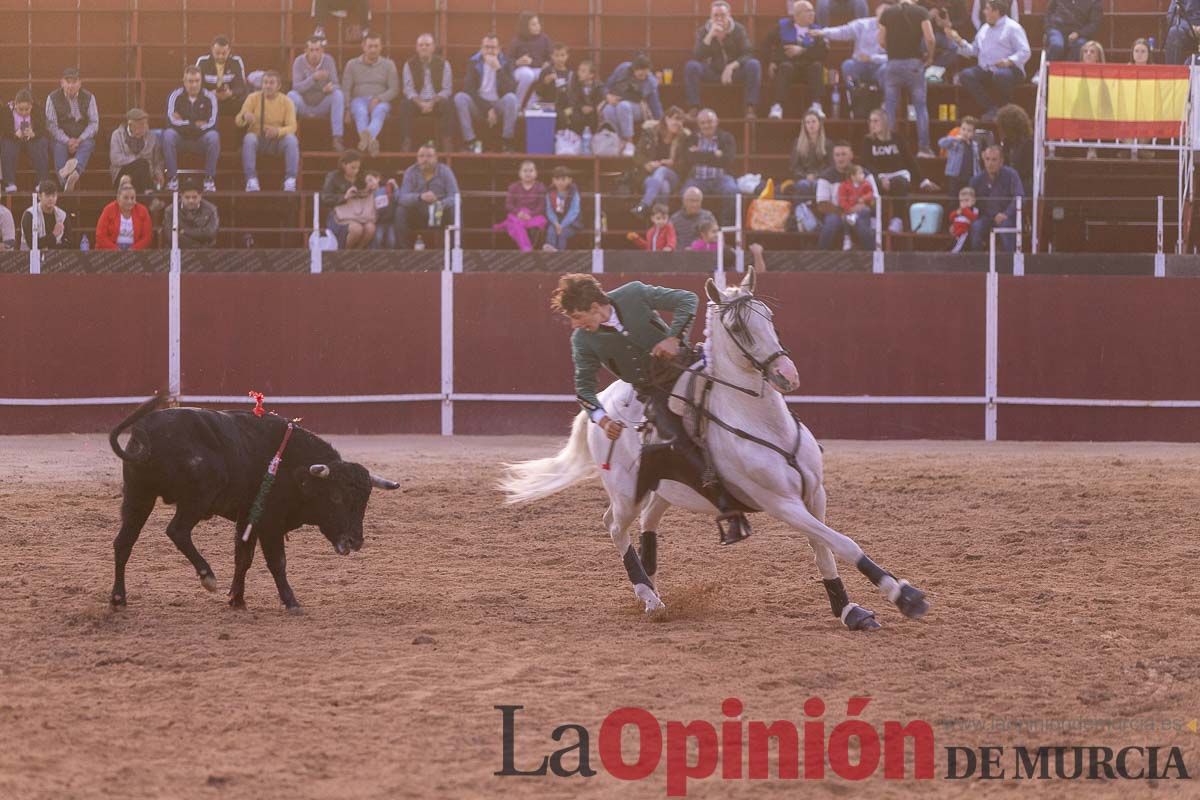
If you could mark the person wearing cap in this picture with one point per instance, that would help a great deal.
(135, 150)
(425, 197)
(23, 127)
(50, 221)
(269, 117)
(73, 120)
(198, 220)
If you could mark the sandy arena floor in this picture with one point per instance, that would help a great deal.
(1062, 578)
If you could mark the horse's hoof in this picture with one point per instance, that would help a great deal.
(208, 582)
(857, 618)
(911, 602)
(649, 598)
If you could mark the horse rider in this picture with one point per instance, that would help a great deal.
(622, 331)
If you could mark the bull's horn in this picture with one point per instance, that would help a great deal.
(320, 470)
(383, 483)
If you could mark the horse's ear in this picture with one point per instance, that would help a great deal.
(714, 294)
(748, 281)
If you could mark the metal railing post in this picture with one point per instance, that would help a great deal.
(176, 259)
(739, 251)
(1018, 254)
(36, 231)
(597, 238)
(877, 256)
(314, 247)
(1160, 259)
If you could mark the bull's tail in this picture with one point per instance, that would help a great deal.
(533, 480)
(140, 452)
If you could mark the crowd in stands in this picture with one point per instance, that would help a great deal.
(835, 185)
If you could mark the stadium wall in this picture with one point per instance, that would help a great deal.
(881, 356)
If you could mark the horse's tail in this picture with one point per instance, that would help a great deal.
(533, 480)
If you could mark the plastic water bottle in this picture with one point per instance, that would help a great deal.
(419, 244)
(587, 141)
(84, 244)
(837, 101)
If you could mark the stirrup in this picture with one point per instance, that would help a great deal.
(735, 529)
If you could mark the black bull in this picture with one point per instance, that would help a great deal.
(211, 463)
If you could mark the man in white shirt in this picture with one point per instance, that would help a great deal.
(1002, 49)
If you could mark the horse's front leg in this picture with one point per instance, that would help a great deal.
(652, 514)
(852, 615)
(617, 519)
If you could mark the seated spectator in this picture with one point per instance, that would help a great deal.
(1183, 35)
(315, 89)
(553, 84)
(722, 51)
(906, 33)
(1070, 23)
(795, 50)
(631, 97)
(198, 220)
(1002, 49)
(862, 68)
(529, 53)
(889, 158)
(826, 9)
(135, 151)
(996, 190)
(192, 114)
(834, 228)
(810, 157)
(708, 155)
(358, 13)
(855, 196)
(1139, 54)
(385, 209)
(225, 76)
(23, 127)
(428, 90)
(562, 210)
(50, 221)
(72, 120)
(687, 220)
(945, 51)
(371, 83)
(657, 158)
(426, 196)
(585, 96)
(8, 230)
(964, 154)
(351, 214)
(124, 223)
(708, 237)
(661, 236)
(1016, 140)
(963, 218)
(269, 118)
(526, 206)
(488, 93)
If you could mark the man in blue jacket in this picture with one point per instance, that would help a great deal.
(722, 51)
(996, 191)
(489, 92)
(1182, 38)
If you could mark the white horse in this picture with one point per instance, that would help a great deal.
(781, 473)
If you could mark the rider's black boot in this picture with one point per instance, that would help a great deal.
(684, 463)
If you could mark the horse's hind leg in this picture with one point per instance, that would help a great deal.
(619, 516)
(907, 598)
(852, 615)
(652, 514)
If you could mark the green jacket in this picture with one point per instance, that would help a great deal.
(627, 354)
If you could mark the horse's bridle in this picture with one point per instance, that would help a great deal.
(764, 365)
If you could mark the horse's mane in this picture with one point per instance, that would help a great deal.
(735, 312)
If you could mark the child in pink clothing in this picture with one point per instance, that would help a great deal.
(706, 240)
(526, 204)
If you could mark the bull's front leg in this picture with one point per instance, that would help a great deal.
(272, 547)
(243, 556)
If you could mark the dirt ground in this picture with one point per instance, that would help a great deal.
(1062, 580)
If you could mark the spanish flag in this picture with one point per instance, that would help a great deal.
(1115, 101)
